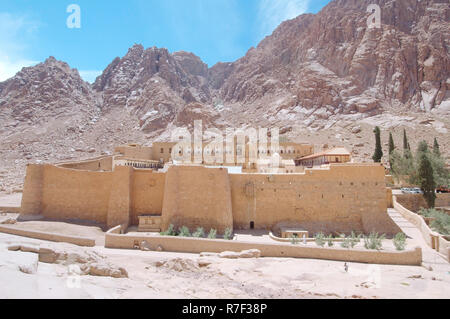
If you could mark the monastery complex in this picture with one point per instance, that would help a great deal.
(143, 186)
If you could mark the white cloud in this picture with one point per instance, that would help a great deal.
(89, 75)
(9, 68)
(273, 12)
(15, 34)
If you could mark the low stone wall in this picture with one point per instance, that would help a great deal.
(432, 238)
(79, 241)
(198, 245)
(444, 247)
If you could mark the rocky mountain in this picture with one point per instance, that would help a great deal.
(324, 78)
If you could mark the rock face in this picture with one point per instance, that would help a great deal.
(332, 63)
(313, 72)
(45, 90)
(155, 85)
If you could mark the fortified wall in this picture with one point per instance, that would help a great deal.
(340, 198)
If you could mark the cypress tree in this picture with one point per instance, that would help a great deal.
(406, 146)
(436, 148)
(378, 149)
(405, 140)
(391, 151)
(391, 143)
(427, 183)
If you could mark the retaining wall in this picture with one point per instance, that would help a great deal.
(198, 245)
(76, 240)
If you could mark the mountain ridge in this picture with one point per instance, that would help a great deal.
(324, 78)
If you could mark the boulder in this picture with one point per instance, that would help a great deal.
(28, 263)
(145, 246)
(202, 262)
(14, 247)
(30, 248)
(356, 129)
(107, 270)
(252, 253)
(229, 255)
(48, 255)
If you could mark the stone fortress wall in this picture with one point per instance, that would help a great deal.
(342, 197)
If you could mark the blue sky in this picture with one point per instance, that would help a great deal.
(215, 30)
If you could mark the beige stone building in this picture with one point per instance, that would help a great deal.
(209, 154)
(335, 198)
(335, 155)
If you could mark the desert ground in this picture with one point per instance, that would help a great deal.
(173, 275)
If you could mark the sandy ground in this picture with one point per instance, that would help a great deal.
(181, 276)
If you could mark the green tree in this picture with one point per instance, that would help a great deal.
(391, 143)
(391, 150)
(436, 148)
(426, 178)
(378, 149)
(406, 146)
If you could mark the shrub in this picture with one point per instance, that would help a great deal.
(330, 241)
(170, 231)
(441, 224)
(199, 233)
(228, 234)
(184, 232)
(212, 234)
(354, 239)
(426, 212)
(351, 241)
(374, 241)
(346, 243)
(320, 239)
(400, 241)
(294, 240)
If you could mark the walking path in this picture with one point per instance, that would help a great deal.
(430, 256)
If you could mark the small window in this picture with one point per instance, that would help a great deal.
(162, 151)
(252, 225)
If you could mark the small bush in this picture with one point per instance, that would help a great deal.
(294, 240)
(441, 222)
(427, 213)
(400, 241)
(374, 241)
(228, 234)
(199, 233)
(346, 243)
(320, 239)
(170, 231)
(330, 241)
(354, 239)
(212, 234)
(184, 232)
